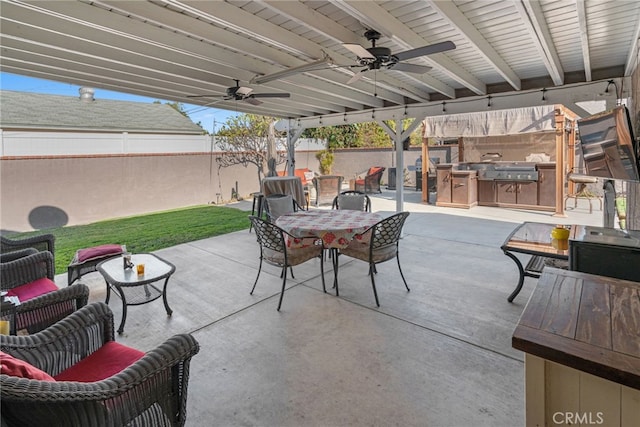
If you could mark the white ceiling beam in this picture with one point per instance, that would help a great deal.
(378, 18)
(172, 46)
(533, 20)
(155, 58)
(229, 15)
(584, 38)
(450, 13)
(304, 15)
(48, 55)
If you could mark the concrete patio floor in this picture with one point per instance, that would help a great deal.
(439, 355)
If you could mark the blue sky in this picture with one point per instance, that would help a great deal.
(204, 115)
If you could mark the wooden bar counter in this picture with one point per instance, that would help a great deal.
(581, 338)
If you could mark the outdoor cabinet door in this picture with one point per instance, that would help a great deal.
(486, 193)
(527, 193)
(444, 184)
(547, 185)
(506, 192)
(460, 189)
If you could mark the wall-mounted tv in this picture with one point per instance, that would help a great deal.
(608, 146)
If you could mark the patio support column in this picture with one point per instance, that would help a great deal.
(399, 167)
(560, 161)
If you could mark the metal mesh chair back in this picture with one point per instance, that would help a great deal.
(387, 232)
(352, 200)
(269, 236)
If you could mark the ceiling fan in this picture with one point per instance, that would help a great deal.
(376, 58)
(241, 93)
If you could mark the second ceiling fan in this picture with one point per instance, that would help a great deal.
(241, 93)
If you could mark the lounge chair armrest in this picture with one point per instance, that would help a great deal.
(19, 253)
(80, 333)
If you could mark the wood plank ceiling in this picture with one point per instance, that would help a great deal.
(171, 49)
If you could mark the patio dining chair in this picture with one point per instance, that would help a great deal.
(74, 373)
(30, 278)
(276, 205)
(275, 251)
(381, 246)
(352, 200)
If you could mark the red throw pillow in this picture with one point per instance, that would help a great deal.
(33, 289)
(9, 365)
(98, 252)
(107, 361)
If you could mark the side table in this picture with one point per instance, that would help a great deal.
(134, 289)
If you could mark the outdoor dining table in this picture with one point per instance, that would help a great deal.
(336, 228)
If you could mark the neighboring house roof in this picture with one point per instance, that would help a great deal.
(26, 110)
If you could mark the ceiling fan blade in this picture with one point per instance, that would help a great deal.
(425, 50)
(271, 95)
(251, 100)
(357, 76)
(211, 95)
(359, 51)
(409, 68)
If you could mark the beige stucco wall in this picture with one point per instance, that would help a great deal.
(84, 189)
(87, 189)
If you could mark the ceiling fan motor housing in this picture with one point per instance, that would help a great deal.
(382, 54)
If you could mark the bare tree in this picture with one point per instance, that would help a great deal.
(244, 140)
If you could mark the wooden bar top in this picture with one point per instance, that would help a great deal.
(586, 322)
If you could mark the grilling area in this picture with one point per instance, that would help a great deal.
(506, 159)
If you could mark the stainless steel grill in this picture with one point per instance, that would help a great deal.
(506, 171)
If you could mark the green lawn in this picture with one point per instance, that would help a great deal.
(146, 233)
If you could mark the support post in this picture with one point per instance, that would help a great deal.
(560, 161)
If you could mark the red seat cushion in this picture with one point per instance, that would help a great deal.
(107, 361)
(97, 252)
(374, 170)
(33, 289)
(9, 365)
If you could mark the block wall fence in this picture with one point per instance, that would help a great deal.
(41, 192)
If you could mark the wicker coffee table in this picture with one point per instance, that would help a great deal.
(134, 289)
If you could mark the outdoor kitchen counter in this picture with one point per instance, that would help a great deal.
(520, 185)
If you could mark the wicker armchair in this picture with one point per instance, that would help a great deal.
(371, 181)
(41, 309)
(150, 391)
(43, 242)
